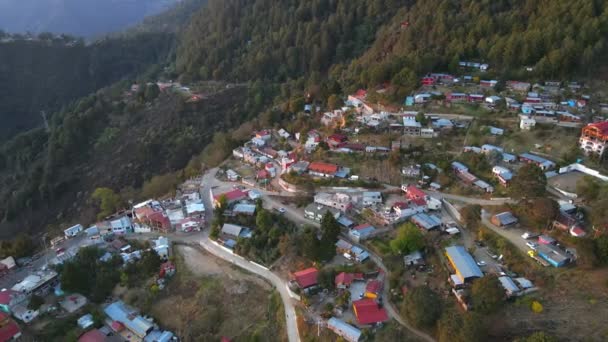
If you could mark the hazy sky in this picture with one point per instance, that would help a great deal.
(76, 17)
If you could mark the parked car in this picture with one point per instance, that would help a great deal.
(532, 245)
(282, 210)
(528, 235)
(481, 263)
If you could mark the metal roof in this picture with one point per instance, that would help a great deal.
(508, 284)
(231, 229)
(506, 218)
(463, 262)
(119, 311)
(425, 221)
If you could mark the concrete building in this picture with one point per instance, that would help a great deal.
(594, 138)
(315, 212)
(338, 201)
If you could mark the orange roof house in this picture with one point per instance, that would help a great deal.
(323, 169)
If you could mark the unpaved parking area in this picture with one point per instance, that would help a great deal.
(201, 263)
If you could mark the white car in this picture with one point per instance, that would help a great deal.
(532, 245)
(528, 235)
(481, 263)
(282, 210)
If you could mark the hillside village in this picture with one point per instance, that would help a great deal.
(379, 241)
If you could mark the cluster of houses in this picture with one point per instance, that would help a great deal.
(462, 172)
(415, 207)
(535, 100)
(237, 202)
(548, 251)
(365, 299)
(169, 86)
(44, 282)
(123, 322)
(186, 212)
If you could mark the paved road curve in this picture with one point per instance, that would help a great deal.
(208, 182)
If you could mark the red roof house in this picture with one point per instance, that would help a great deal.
(306, 278)
(323, 169)
(158, 220)
(117, 326)
(361, 94)
(263, 174)
(9, 330)
(368, 311)
(92, 336)
(343, 280)
(415, 195)
(231, 197)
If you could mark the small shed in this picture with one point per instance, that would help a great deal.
(504, 219)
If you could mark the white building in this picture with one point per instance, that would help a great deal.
(526, 123)
(121, 225)
(73, 231)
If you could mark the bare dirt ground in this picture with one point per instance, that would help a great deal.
(209, 298)
(575, 309)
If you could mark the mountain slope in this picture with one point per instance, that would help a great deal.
(46, 74)
(107, 139)
(86, 18)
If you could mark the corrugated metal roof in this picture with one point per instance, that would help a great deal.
(463, 261)
(231, 229)
(508, 284)
(120, 312)
(344, 329)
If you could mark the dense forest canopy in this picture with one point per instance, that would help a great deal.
(277, 40)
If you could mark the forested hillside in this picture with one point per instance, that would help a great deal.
(46, 72)
(282, 50)
(113, 140)
(277, 40)
(557, 38)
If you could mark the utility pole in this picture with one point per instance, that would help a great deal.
(46, 254)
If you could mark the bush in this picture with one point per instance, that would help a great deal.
(422, 306)
(536, 307)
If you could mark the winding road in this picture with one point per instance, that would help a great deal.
(207, 183)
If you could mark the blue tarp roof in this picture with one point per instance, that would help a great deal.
(463, 262)
(345, 221)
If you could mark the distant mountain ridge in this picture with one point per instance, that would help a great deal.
(87, 18)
